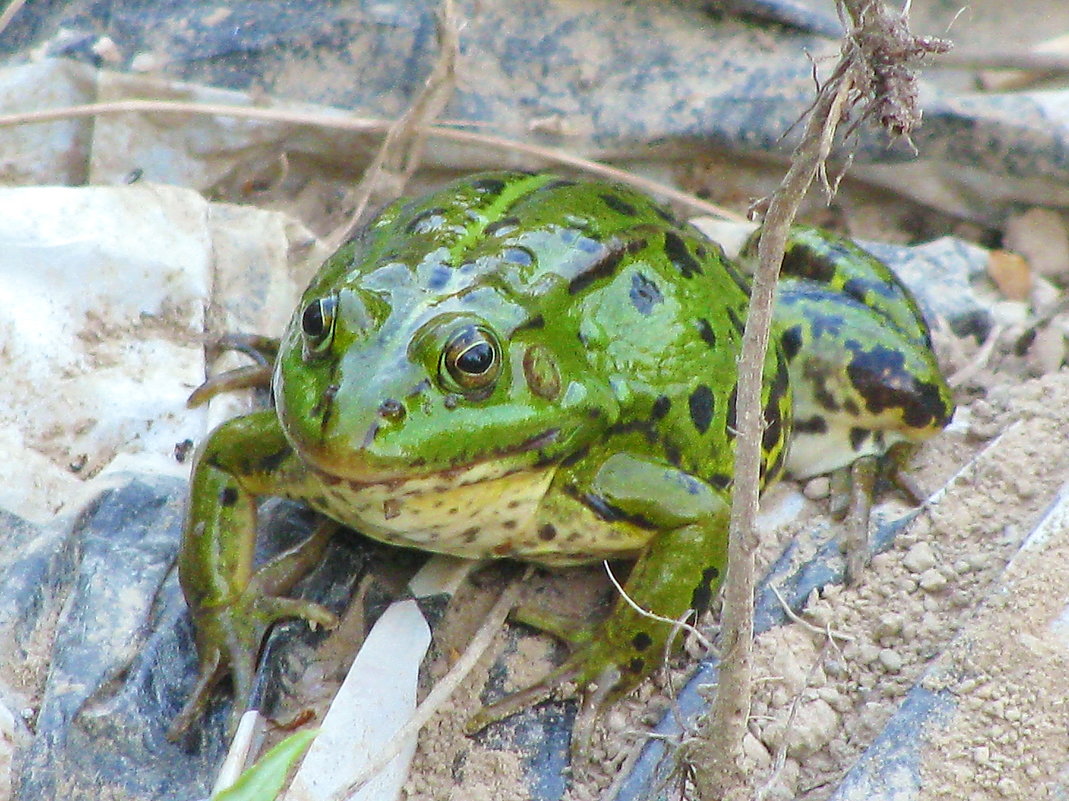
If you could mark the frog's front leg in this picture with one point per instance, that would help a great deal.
(232, 607)
(679, 570)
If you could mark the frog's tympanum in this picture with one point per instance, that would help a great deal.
(542, 369)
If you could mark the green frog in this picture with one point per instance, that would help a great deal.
(529, 367)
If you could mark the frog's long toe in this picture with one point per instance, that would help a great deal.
(229, 641)
(210, 672)
(521, 699)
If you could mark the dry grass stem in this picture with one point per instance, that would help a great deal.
(9, 13)
(399, 154)
(341, 122)
(677, 625)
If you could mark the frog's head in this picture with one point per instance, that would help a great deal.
(386, 374)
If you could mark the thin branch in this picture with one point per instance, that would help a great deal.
(878, 65)
(717, 752)
(827, 631)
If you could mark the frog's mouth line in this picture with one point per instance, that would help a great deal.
(452, 474)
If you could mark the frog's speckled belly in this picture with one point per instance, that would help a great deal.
(480, 512)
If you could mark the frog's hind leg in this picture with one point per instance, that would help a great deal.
(232, 605)
(679, 570)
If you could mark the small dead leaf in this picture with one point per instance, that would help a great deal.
(1011, 274)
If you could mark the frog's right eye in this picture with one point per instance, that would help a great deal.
(317, 325)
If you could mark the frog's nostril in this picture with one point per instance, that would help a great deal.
(392, 409)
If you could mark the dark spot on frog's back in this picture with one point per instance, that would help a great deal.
(679, 254)
(547, 532)
(531, 324)
(706, 332)
(858, 289)
(644, 294)
(737, 277)
(228, 497)
(720, 480)
(426, 221)
(673, 454)
(811, 425)
(701, 407)
(879, 376)
(801, 261)
(772, 433)
(660, 407)
(273, 461)
(505, 223)
(605, 266)
(618, 204)
(489, 186)
(559, 183)
(702, 596)
(576, 457)
(737, 322)
(607, 511)
(791, 341)
(667, 216)
(641, 641)
(775, 469)
(858, 437)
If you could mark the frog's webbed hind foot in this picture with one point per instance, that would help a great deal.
(229, 636)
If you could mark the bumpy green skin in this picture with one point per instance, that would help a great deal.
(524, 366)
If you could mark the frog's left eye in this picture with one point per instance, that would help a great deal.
(317, 325)
(471, 361)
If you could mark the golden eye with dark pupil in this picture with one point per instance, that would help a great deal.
(472, 359)
(317, 324)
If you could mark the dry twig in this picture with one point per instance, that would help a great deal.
(877, 66)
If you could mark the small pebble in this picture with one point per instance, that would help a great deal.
(891, 660)
(818, 488)
(932, 581)
(919, 558)
(146, 62)
(888, 626)
(106, 50)
(1010, 273)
